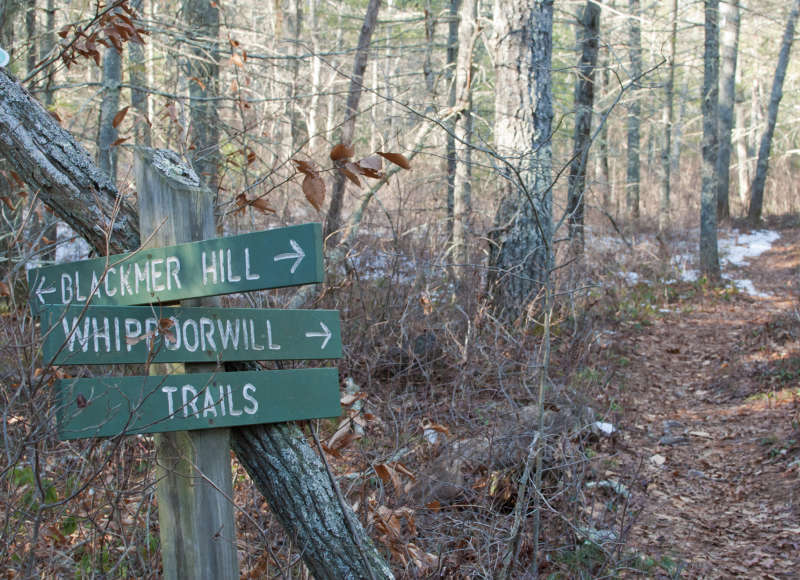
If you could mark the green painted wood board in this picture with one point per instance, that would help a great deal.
(163, 334)
(112, 406)
(268, 259)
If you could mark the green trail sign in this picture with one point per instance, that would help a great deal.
(111, 406)
(163, 334)
(268, 259)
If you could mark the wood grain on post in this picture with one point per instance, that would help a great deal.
(195, 486)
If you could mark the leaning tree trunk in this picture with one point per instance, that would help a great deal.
(709, 256)
(520, 251)
(584, 104)
(334, 220)
(292, 477)
(634, 114)
(757, 190)
(729, 47)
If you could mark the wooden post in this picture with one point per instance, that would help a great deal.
(195, 485)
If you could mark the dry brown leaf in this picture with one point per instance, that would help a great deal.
(119, 117)
(348, 170)
(304, 167)
(119, 141)
(396, 158)
(314, 188)
(259, 203)
(342, 438)
(341, 151)
(237, 60)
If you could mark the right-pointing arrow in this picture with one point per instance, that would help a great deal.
(297, 255)
(325, 333)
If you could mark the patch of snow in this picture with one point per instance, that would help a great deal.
(603, 427)
(630, 277)
(71, 247)
(747, 287)
(738, 249)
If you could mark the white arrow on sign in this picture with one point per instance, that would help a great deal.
(39, 290)
(325, 333)
(297, 256)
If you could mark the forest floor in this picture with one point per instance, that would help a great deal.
(707, 403)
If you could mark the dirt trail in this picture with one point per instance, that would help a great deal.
(710, 412)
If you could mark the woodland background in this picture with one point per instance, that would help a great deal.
(437, 379)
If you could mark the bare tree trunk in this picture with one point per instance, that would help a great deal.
(520, 255)
(729, 47)
(709, 256)
(293, 478)
(137, 75)
(202, 74)
(634, 113)
(743, 153)
(334, 219)
(450, 146)
(48, 44)
(602, 169)
(312, 115)
(107, 133)
(669, 119)
(30, 32)
(760, 180)
(584, 105)
(462, 180)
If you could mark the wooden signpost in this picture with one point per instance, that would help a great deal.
(89, 316)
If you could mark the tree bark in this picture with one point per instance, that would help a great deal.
(276, 455)
(202, 74)
(634, 113)
(762, 165)
(30, 31)
(48, 46)
(107, 133)
(582, 137)
(729, 47)
(709, 255)
(669, 120)
(450, 145)
(520, 254)
(334, 220)
(137, 73)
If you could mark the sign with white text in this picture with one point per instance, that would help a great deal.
(268, 259)
(163, 334)
(112, 406)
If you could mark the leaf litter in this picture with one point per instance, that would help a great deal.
(725, 367)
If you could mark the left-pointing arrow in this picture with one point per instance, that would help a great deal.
(40, 290)
(326, 333)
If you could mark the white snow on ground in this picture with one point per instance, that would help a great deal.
(738, 249)
(735, 250)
